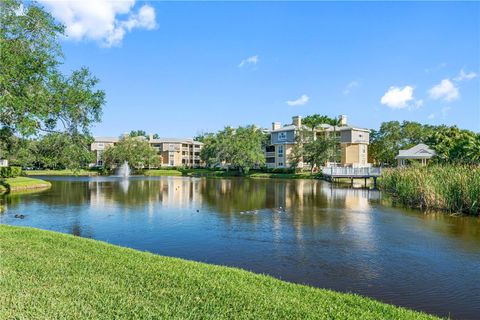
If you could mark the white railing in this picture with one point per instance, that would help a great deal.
(352, 172)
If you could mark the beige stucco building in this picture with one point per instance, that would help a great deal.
(353, 143)
(173, 152)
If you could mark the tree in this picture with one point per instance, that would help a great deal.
(34, 95)
(334, 122)
(455, 145)
(451, 144)
(314, 121)
(63, 151)
(241, 148)
(137, 152)
(385, 143)
(315, 152)
(138, 133)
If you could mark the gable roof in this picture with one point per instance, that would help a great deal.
(420, 151)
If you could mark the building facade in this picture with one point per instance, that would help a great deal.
(353, 143)
(173, 152)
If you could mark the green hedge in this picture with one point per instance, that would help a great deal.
(10, 172)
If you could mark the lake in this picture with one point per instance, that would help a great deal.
(303, 231)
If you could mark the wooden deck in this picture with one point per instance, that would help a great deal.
(333, 173)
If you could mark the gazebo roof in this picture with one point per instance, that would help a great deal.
(420, 151)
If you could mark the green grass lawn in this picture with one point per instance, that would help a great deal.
(60, 173)
(162, 172)
(47, 275)
(23, 183)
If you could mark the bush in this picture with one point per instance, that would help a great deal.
(10, 172)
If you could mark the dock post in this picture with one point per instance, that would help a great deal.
(365, 182)
(351, 181)
(374, 183)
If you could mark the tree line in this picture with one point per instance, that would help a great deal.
(451, 144)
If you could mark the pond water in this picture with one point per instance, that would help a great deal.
(304, 231)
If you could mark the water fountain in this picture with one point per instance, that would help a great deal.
(124, 170)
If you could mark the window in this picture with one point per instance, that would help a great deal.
(270, 149)
(270, 160)
(100, 144)
(280, 164)
(280, 151)
(172, 163)
(282, 136)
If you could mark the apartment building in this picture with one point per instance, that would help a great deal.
(353, 142)
(173, 152)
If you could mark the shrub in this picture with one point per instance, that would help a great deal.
(10, 172)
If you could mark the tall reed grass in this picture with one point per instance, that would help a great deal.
(453, 188)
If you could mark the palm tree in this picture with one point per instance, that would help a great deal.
(314, 121)
(334, 122)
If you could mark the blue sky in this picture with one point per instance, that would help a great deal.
(175, 68)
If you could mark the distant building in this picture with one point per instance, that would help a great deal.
(419, 153)
(353, 142)
(3, 163)
(173, 152)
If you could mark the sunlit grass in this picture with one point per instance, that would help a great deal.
(47, 275)
(65, 172)
(23, 183)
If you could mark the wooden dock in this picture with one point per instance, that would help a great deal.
(333, 173)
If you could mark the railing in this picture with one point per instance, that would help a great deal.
(352, 172)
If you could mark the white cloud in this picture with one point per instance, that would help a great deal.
(300, 101)
(431, 116)
(445, 90)
(462, 75)
(101, 20)
(399, 98)
(253, 60)
(350, 86)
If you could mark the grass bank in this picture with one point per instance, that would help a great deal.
(60, 172)
(52, 275)
(22, 183)
(222, 173)
(451, 188)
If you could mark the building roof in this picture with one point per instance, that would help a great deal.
(175, 140)
(420, 151)
(322, 127)
(106, 139)
(160, 140)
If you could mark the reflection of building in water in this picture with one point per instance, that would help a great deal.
(180, 192)
(353, 199)
(174, 192)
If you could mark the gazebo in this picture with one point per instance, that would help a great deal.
(420, 152)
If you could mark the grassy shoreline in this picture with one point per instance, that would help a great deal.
(219, 174)
(52, 275)
(449, 188)
(65, 172)
(19, 184)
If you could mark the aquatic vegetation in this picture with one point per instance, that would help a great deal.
(452, 188)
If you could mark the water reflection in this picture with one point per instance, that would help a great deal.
(305, 231)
